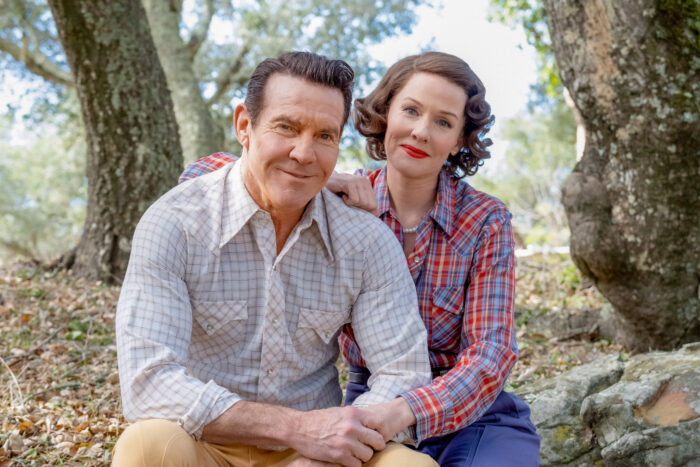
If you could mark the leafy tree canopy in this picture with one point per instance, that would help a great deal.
(42, 174)
(530, 16)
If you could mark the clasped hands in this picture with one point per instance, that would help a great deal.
(349, 436)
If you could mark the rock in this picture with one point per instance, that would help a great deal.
(652, 415)
(586, 323)
(556, 405)
(645, 412)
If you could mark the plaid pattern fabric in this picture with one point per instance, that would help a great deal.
(463, 266)
(210, 314)
(206, 165)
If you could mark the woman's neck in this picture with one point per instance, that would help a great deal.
(411, 198)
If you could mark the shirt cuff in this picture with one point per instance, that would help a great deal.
(212, 402)
(431, 413)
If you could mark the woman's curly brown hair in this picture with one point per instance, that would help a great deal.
(371, 111)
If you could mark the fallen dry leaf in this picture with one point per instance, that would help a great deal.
(57, 339)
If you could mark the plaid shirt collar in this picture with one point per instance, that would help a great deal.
(238, 208)
(444, 209)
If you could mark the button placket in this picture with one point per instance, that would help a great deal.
(272, 349)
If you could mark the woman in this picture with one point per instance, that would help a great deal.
(427, 118)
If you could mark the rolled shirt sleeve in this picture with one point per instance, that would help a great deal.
(153, 327)
(387, 324)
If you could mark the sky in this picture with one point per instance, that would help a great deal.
(500, 56)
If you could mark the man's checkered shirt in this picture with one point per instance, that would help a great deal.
(463, 267)
(209, 314)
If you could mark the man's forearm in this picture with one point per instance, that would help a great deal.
(252, 423)
(338, 434)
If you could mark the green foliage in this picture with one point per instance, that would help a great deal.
(336, 28)
(540, 155)
(42, 182)
(42, 187)
(530, 15)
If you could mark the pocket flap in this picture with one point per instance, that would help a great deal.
(211, 316)
(325, 323)
(450, 299)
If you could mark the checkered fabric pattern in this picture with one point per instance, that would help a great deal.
(210, 314)
(463, 266)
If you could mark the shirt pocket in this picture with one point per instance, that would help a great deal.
(316, 331)
(219, 331)
(445, 318)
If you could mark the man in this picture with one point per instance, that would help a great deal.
(238, 284)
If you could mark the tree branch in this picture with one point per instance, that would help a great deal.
(224, 83)
(201, 29)
(17, 248)
(37, 63)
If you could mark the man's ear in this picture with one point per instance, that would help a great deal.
(242, 125)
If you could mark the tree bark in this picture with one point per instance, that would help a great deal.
(134, 154)
(633, 201)
(199, 133)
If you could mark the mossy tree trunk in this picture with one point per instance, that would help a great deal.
(134, 153)
(199, 133)
(633, 201)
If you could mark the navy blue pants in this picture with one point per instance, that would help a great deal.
(504, 436)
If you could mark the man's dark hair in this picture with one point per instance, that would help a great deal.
(306, 65)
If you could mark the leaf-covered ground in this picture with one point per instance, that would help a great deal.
(60, 403)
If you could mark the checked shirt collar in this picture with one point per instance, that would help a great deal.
(442, 211)
(230, 207)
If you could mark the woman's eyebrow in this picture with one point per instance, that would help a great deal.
(444, 112)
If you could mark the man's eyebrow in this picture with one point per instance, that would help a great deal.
(444, 112)
(331, 130)
(285, 119)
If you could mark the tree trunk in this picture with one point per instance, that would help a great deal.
(134, 154)
(633, 201)
(199, 133)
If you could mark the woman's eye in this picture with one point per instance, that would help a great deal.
(444, 123)
(410, 111)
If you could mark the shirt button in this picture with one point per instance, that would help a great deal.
(416, 260)
(274, 320)
(270, 371)
(210, 327)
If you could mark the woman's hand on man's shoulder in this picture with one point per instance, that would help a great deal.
(355, 190)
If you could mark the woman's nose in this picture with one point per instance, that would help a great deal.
(420, 131)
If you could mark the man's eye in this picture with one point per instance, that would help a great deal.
(326, 137)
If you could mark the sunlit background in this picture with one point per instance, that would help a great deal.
(42, 148)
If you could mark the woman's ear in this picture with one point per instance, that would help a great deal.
(458, 147)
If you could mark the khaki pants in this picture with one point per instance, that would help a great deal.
(160, 443)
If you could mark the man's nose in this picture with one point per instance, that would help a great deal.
(303, 150)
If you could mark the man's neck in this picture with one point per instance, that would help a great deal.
(283, 220)
(284, 224)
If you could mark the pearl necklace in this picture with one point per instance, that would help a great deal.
(411, 230)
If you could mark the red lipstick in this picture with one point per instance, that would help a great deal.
(414, 152)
